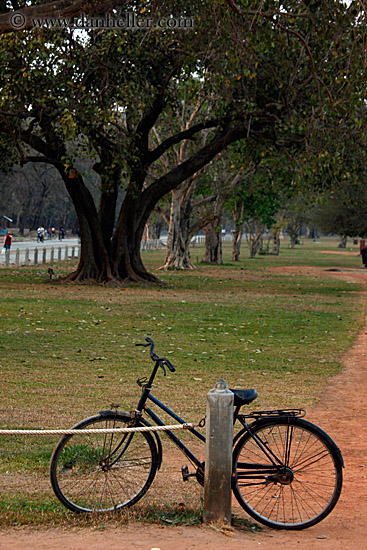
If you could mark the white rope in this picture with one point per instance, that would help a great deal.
(101, 430)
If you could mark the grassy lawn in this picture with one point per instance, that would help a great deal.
(68, 351)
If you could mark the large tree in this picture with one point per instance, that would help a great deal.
(270, 75)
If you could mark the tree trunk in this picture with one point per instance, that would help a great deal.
(343, 241)
(125, 246)
(178, 243)
(22, 219)
(107, 212)
(253, 248)
(94, 262)
(254, 232)
(238, 232)
(294, 231)
(236, 243)
(293, 240)
(276, 241)
(103, 259)
(213, 244)
(154, 229)
(261, 244)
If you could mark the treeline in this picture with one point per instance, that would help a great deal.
(32, 196)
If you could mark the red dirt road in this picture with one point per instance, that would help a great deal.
(341, 411)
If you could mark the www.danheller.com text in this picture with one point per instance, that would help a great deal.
(126, 21)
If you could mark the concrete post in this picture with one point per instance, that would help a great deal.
(66, 253)
(52, 258)
(59, 254)
(17, 257)
(218, 457)
(35, 256)
(44, 255)
(26, 259)
(7, 258)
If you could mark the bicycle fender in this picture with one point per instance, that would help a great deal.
(238, 435)
(145, 423)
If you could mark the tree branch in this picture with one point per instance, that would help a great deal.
(193, 164)
(270, 16)
(177, 138)
(162, 213)
(204, 201)
(35, 158)
(42, 147)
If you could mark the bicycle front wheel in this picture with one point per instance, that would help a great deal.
(289, 474)
(103, 472)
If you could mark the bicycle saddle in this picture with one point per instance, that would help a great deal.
(243, 397)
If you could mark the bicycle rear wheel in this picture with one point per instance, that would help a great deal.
(103, 472)
(296, 482)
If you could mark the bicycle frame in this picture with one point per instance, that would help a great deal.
(186, 451)
(146, 395)
(176, 440)
(262, 468)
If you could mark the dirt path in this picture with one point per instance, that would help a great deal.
(341, 411)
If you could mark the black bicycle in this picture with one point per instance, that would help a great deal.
(287, 472)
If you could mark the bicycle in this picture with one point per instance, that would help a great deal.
(287, 472)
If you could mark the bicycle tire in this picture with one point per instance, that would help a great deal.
(308, 487)
(86, 478)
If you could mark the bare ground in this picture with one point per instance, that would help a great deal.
(341, 411)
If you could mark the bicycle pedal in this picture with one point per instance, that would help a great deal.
(185, 473)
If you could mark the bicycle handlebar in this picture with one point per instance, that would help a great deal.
(161, 360)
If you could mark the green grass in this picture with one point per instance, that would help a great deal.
(68, 351)
(21, 511)
(17, 510)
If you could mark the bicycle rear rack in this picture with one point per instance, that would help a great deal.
(256, 415)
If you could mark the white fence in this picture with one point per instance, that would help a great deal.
(152, 244)
(37, 255)
(200, 239)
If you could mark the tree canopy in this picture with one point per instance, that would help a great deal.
(286, 74)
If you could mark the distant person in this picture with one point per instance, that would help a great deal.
(7, 241)
(42, 234)
(53, 231)
(61, 233)
(49, 233)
